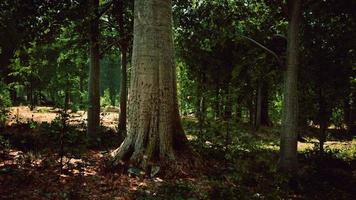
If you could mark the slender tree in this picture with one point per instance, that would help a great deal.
(288, 145)
(124, 48)
(154, 131)
(94, 72)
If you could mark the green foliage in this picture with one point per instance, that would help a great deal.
(108, 100)
(5, 102)
(337, 117)
(110, 80)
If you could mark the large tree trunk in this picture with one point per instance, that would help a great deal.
(154, 129)
(288, 145)
(94, 73)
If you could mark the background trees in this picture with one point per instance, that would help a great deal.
(236, 62)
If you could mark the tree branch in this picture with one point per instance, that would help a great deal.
(265, 48)
(105, 8)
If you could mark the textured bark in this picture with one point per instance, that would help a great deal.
(288, 145)
(94, 73)
(154, 131)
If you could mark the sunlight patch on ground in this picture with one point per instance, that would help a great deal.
(108, 118)
(304, 146)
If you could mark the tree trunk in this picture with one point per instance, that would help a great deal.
(154, 129)
(251, 112)
(217, 102)
(94, 73)
(200, 106)
(349, 115)
(32, 101)
(259, 105)
(238, 110)
(124, 47)
(228, 115)
(322, 117)
(265, 121)
(288, 145)
(228, 104)
(352, 123)
(81, 89)
(123, 92)
(322, 136)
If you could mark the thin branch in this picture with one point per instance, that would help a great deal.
(264, 48)
(108, 47)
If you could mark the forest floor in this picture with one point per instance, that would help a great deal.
(34, 164)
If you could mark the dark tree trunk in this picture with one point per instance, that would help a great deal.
(217, 102)
(322, 116)
(200, 108)
(124, 48)
(228, 104)
(32, 100)
(262, 117)
(288, 145)
(238, 111)
(123, 93)
(94, 73)
(352, 120)
(265, 120)
(258, 105)
(13, 96)
(81, 89)
(228, 115)
(251, 111)
(67, 97)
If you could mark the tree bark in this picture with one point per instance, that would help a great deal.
(265, 120)
(217, 106)
(154, 131)
(322, 119)
(238, 110)
(123, 92)
(94, 73)
(259, 105)
(200, 105)
(124, 46)
(288, 144)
